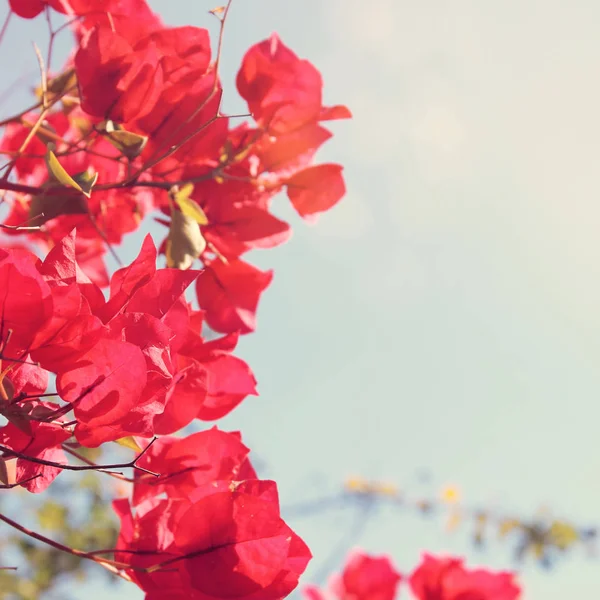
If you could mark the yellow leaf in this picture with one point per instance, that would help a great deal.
(190, 208)
(129, 442)
(450, 494)
(538, 549)
(454, 520)
(58, 172)
(386, 489)
(507, 526)
(563, 534)
(7, 389)
(356, 484)
(185, 242)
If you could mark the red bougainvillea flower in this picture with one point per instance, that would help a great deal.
(226, 540)
(16, 133)
(188, 102)
(135, 364)
(447, 579)
(208, 383)
(283, 92)
(131, 19)
(115, 81)
(229, 293)
(25, 301)
(285, 154)
(119, 385)
(364, 577)
(367, 577)
(159, 82)
(28, 9)
(187, 463)
(104, 217)
(316, 189)
(43, 442)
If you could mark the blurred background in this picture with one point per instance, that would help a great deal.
(439, 329)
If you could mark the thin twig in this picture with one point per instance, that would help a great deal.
(111, 565)
(91, 463)
(9, 486)
(5, 25)
(9, 452)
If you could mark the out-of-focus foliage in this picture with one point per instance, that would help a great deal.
(76, 513)
(541, 536)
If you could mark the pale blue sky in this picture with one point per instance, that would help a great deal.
(445, 314)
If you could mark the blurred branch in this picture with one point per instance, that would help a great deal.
(541, 536)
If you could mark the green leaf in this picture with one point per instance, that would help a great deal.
(57, 171)
(128, 143)
(86, 181)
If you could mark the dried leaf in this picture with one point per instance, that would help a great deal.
(185, 242)
(58, 85)
(49, 204)
(129, 144)
(8, 470)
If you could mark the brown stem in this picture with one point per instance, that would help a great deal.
(111, 565)
(41, 461)
(5, 25)
(91, 463)
(9, 486)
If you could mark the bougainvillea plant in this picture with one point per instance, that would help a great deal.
(131, 125)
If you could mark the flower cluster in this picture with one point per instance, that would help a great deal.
(135, 127)
(368, 577)
(131, 125)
